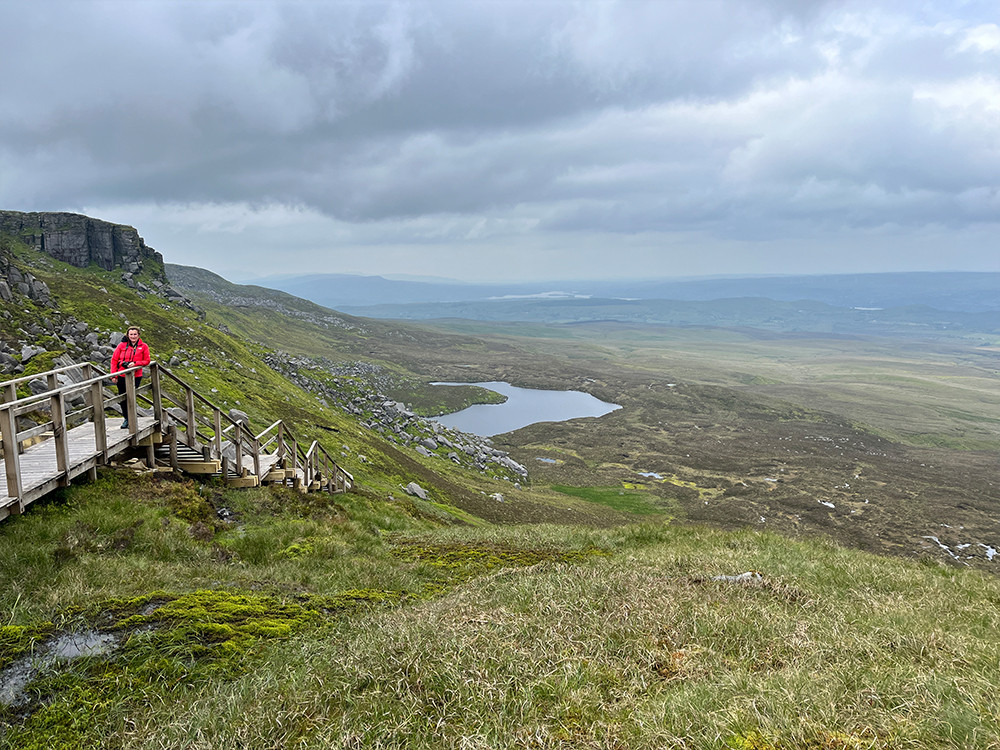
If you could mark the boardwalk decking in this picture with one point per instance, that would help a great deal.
(39, 473)
(185, 429)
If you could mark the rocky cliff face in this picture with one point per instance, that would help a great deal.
(81, 240)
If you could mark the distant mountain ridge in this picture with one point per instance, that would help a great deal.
(956, 291)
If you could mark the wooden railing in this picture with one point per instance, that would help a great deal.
(318, 467)
(164, 407)
(52, 415)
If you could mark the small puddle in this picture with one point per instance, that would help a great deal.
(59, 649)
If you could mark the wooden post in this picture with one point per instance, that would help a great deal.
(173, 447)
(238, 443)
(217, 427)
(57, 405)
(256, 457)
(192, 425)
(87, 371)
(9, 393)
(11, 458)
(130, 411)
(100, 427)
(154, 373)
(281, 442)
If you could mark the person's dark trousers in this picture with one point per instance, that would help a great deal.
(121, 392)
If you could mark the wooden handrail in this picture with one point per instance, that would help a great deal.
(277, 440)
(272, 427)
(65, 389)
(29, 378)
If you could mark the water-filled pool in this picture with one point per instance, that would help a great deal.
(523, 406)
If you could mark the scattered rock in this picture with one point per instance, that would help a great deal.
(28, 351)
(416, 490)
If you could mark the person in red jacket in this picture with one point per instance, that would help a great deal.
(130, 352)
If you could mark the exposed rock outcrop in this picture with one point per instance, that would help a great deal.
(80, 240)
(358, 388)
(14, 280)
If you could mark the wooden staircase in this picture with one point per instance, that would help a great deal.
(51, 437)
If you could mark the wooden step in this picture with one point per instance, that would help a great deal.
(250, 480)
(200, 467)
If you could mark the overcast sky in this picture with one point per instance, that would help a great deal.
(514, 140)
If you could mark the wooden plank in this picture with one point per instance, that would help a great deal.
(200, 467)
(38, 464)
(263, 464)
(250, 480)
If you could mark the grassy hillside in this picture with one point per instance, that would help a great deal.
(223, 351)
(583, 607)
(306, 622)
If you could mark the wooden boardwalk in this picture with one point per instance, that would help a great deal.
(174, 426)
(39, 474)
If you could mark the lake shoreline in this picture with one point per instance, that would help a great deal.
(522, 407)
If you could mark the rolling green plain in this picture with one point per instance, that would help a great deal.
(807, 565)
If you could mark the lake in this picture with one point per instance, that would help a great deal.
(523, 406)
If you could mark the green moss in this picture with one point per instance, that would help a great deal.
(356, 597)
(298, 549)
(752, 740)
(188, 504)
(169, 642)
(17, 640)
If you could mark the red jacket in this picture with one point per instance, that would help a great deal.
(127, 355)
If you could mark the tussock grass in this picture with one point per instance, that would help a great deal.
(642, 648)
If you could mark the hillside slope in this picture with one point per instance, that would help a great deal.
(148, 610)
(884, 444)
(84, 311)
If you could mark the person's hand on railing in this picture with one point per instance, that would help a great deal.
(121, 371)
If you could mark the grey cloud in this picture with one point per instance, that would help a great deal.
(736, 117)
